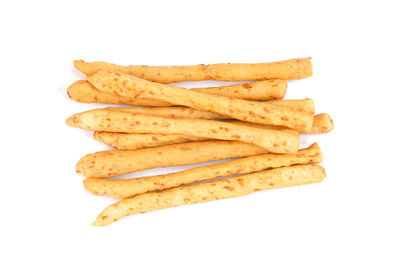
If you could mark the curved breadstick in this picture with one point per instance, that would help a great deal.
(220, 189)
(125, 188)
(112, 163)
(251, 111)
(83, 91)
(292, 69)
(276, 141)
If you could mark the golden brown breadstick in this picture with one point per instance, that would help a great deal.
(221, 189)
(257, 112)
(292, 69)
(322, 124)
(114, 162)
(125, 141)
(125, 188)
(170, 112)
(83, 91)
(276, 141)
(131, 141)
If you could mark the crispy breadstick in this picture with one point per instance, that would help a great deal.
(113, 163)
(125, 141)
(292, 69)
(257, 112)
(83, 91)
(276, 141)
(131, 141)
(125, 188)
(322, 124)
(170, 112)
(220, 189)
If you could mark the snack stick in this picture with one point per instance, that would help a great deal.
(83, 91)
(251, 111)
(130, 141)
(170, 112)
(276, 141)
(292, 69)
(305, 105)
(322, 124)
(220, 189)
(125, 188)
(125, 141)
(114, 162)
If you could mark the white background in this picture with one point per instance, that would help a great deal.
(349, 221)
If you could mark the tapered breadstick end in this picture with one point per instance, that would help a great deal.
(322, 123)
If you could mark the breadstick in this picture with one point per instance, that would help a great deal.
(276, 141)
(113, 163)
(130, 141)
(220, 189)
(83, 91)
(125, 141)
(170, 112)
(125, 188)
(322, 124)
(292, 69)
(251, 111)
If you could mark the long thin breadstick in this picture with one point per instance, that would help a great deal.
(292, 69)
(170, 112)
(304, 105)
(125, 188)
(276, 141)
(123, 141)
(221, 189)
(113, 163)
(83, 91)
(251, 111)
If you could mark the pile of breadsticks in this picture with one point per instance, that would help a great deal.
(169, 126)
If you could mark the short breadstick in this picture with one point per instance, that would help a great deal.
(124, 141)
(113, 163)
(220, 189)
(257, 112)
(125, 188)
(292, 69)
(322, 124)
(276, 141)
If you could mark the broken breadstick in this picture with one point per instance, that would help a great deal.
(112, 162)
(83, 91)
(125, 188)
(220, 189)
(257, 112)
(276, 141)
(292, 69)
(123, 141)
